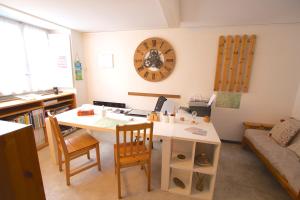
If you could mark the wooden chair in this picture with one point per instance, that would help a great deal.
(133, 152)
(72, 148)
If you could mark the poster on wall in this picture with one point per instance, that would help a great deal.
(228, 100)
(61, 62)
(78, 70)
(106, 60)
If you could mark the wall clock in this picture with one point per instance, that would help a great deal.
(154, 59)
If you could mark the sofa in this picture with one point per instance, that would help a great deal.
(283, 163)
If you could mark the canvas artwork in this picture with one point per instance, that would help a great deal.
(106, 60)
(228, 100)
(78, 70)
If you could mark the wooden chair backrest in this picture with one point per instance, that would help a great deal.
(57, 133)
(135, 137)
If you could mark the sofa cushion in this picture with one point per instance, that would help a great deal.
(296, 139)
(285, 131)
(281, 158)
(295, 147)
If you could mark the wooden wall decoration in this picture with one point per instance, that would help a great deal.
(234, 63)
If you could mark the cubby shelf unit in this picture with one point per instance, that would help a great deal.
(186, 169)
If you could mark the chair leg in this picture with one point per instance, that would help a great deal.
(98, 157)
(119, 182)
(115, 167)
(59, 159)
(67, 162)
(149, 175)
(115, 163)
(88, 155)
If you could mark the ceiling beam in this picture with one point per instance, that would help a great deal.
(171, 11)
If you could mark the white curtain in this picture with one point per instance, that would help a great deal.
(13, 67)
(30, 61)
(37, 49)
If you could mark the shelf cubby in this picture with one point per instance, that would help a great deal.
(210, 152)
(184, 176)
(185, 148)
(207, 186)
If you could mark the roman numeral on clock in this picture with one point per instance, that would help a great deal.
(168, 69)
(166, 52)
(140, 69)
(146, 74)
(145, 45)
(154, 43)
(161, 74)
(139, 51)
(138, 60)
(153, 76)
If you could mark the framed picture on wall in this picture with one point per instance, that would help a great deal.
(106, 60)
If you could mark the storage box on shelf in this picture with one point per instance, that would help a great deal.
(195, 164)
(24, 111)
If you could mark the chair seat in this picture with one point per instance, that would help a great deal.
(140, 154)
(80, 142)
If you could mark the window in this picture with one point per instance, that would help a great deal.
(27, 61)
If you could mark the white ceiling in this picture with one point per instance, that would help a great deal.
(238, 12)
(111, 15)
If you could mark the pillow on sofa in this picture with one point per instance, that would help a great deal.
(285, 131)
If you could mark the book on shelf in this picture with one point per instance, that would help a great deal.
(39, 136)
(50, 102)
(62, 109)
(35, 117)
(58, 110)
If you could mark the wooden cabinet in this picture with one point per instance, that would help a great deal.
(20, 175)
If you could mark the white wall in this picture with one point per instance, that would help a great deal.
(77, 53)
(272, 87)
(296, 109)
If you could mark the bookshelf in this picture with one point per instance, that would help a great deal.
(34, 112)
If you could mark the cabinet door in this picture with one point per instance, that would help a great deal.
(20, 175)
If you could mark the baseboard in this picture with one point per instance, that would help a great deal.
(231, 141)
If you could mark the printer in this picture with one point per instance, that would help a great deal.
(201, 107)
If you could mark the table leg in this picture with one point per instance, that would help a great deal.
(165, 163)
(52, 143)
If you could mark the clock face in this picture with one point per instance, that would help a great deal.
(154, 59)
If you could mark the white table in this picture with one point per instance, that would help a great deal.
(166, 131)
